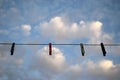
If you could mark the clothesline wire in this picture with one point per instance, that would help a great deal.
(86, 44)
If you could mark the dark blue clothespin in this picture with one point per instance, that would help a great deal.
(12, 48)
(103, 49)
(82, 49)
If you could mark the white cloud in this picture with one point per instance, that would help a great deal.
(102, 64)
(104, 69)
(95, 29)
(58, 29)
(106, 38)
(10, 65)
(49, 66)
(75, 68)
(55, 61)
(26, 29)
(106, 64)
(73, 72)
(54, 67)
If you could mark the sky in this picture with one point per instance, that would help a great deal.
(59, 21)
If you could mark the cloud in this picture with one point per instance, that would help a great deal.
(26, 29)
(95, 29)
(49, 66)
(10, 66)
(106, 64)
(73, 72)
(41, 66)
(104, 69)
(55, 67)
(102, 64)
(58, 29)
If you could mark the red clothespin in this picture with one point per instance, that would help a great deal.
(50, 48)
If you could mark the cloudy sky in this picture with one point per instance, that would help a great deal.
(59, 21)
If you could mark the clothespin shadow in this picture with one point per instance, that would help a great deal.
(50, 48)
(103, 49)
(12, 48)
(82, 49)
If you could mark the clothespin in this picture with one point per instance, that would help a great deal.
(50, 48)
(12, 48)
(82, 49)
(103, 49)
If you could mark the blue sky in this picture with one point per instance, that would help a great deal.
(59, 21)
